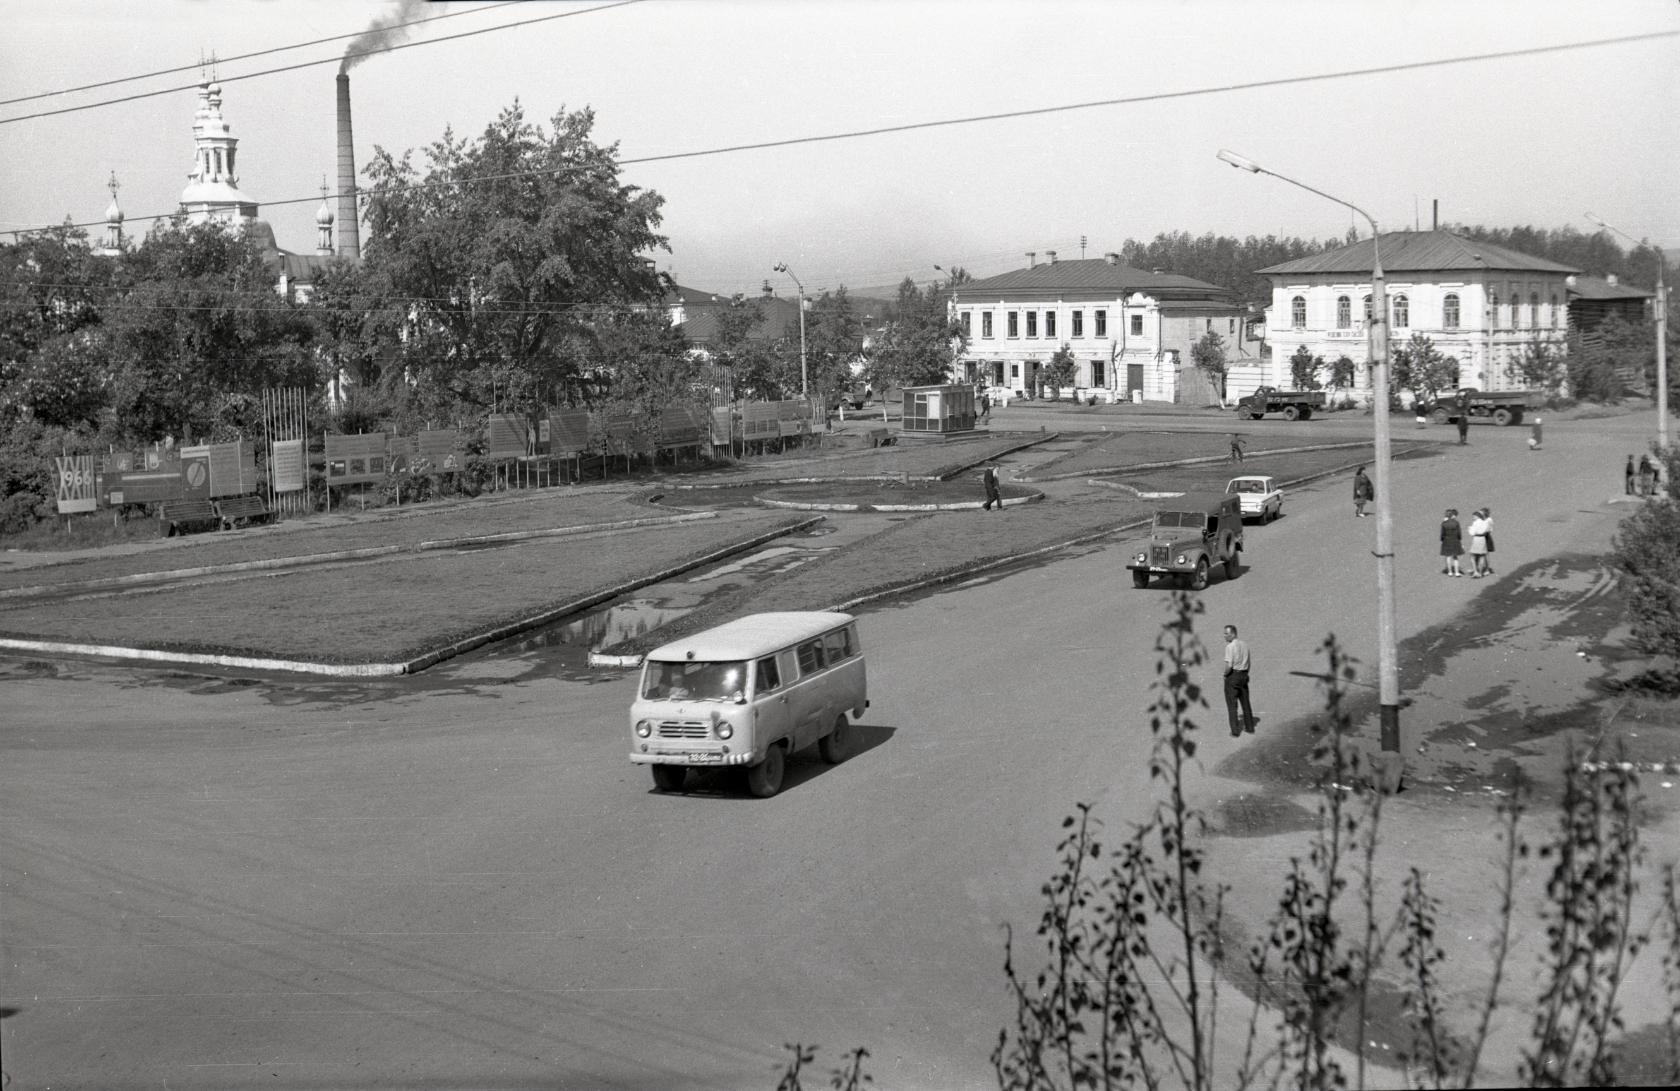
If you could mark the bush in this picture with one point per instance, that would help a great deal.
(1647, 556)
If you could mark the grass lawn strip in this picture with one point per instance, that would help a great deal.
(395, 609)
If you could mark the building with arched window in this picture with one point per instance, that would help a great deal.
(1477, 302)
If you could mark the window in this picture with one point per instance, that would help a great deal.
(1449, 311)
(1014, 324)
(1137, 325)
(810, 656)
(1493, 310)
(1049, 323)
(1534, 310)
(1402, 312)
(1367, 310)
(1298, 312)
(967, 324)
(1079, 323)
(1032, 323)
(1554, 311)
(1209, 327)
(1344, 312)
(837, 646)
(1231, 326)
(986, 325)
(769, 677)
(1102, 323)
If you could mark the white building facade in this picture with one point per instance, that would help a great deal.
(1129, 330)
(1478, 303)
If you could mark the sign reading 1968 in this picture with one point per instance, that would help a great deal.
(78, 487)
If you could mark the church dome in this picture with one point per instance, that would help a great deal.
(324, 216)
(113, 215)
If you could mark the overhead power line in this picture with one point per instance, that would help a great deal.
(854, 134)
(315, 64)
(247, 56)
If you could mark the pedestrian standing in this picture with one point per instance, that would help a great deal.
(1534, 436)
(1452, 543)
(990, 480)
(1236, 448)
(1647, 476)
(1479, 527)
(1363, 492)
(1628, 477)
(1236, 683)
(985, 406)
(1463, 418)
(1487, 533)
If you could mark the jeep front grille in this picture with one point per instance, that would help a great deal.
(1160, 555)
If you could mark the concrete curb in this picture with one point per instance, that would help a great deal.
(275, 564)
(411, 666)
(1199, 461)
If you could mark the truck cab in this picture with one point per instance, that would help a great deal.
(1188, 536)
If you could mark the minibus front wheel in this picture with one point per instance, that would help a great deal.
(765, 778)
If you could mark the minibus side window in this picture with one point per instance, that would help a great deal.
(769, 677)
(810, 656)
(836, 646)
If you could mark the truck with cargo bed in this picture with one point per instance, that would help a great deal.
(1503, 407)
(1291, 404)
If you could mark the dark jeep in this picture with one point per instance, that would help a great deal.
(1188, 537)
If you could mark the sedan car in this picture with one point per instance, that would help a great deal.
(1260, 496)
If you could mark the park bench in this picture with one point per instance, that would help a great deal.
(236, 510)
(880, 437)
(177, 516)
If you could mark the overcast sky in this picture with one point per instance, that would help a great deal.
(1537, 139)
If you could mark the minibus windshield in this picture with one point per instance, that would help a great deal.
(695, 681)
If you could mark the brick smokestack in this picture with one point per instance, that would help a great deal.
(349, 231)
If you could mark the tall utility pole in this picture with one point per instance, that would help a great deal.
(1662, 332)
(781, 267)
(1388, 659)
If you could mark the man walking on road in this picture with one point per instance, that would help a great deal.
(989, 479)
(1236, 683)
(1363, 492)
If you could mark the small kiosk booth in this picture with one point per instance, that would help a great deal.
(937, 412)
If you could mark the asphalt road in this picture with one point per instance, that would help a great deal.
(458, 880)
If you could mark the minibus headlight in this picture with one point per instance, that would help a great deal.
(644, 728)
(725, 729)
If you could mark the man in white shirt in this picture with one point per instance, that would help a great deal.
(1236, 682)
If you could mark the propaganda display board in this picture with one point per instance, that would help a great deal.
(78, 488)
(722, 419)
(761, 420)
(438, 449)
(680, 426)
(793, 417)
(286, 466)
(568, 432)
(153, 477)
(506, 436)
(621, 431)
(401, 454)
(195, 473)
(353, 460)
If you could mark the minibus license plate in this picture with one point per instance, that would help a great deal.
(704, 757)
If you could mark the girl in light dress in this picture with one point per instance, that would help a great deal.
(1481, 542)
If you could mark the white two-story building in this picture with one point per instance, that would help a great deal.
(1128, 330)
(1478, 303)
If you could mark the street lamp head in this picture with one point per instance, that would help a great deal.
(779, 268)
(1238, 161)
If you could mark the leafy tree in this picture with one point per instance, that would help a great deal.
(650, 370)
(359, 333)
(1208, 354)
(1540, 365)
(761, 373)
(1599, 359)
(506, 250)
(1420, 367)
(53, 295)
(919, 343)
(1646, 553)
(199, 322)
(1342, 372)
(834, 339)
(1304, 368)
(1059, 372)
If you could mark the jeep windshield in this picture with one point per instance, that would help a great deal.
(1193, 519)
(692, 681)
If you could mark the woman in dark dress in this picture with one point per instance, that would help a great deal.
(1452, 543)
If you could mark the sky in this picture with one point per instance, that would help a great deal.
(1536, 140)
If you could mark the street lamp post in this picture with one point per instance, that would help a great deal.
(781, 267)
(1662, 332)
(1388, 663)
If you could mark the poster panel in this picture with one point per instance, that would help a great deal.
(353, 460)
(680, 426)
(506, 436)
(286, 466)
(439, 449)
(759, 420)
(233, 468)
(195, 472)
(720, 426)
(401, 454)
(568, 431)
(78, 488)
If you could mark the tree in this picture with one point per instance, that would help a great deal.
(1342, 372)
(1420, 367)
(1304, 368)
(919, 343)
(834, 339)
(1541, 365)
(1059, 372)
(506, 251)
(760, 373)
(200, 323)
(1646, 553)
(54, 291)
(1209, 357)
(359, 333)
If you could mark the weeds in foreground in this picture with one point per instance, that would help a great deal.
(1126, 993)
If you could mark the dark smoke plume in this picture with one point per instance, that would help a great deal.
(386, 30)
